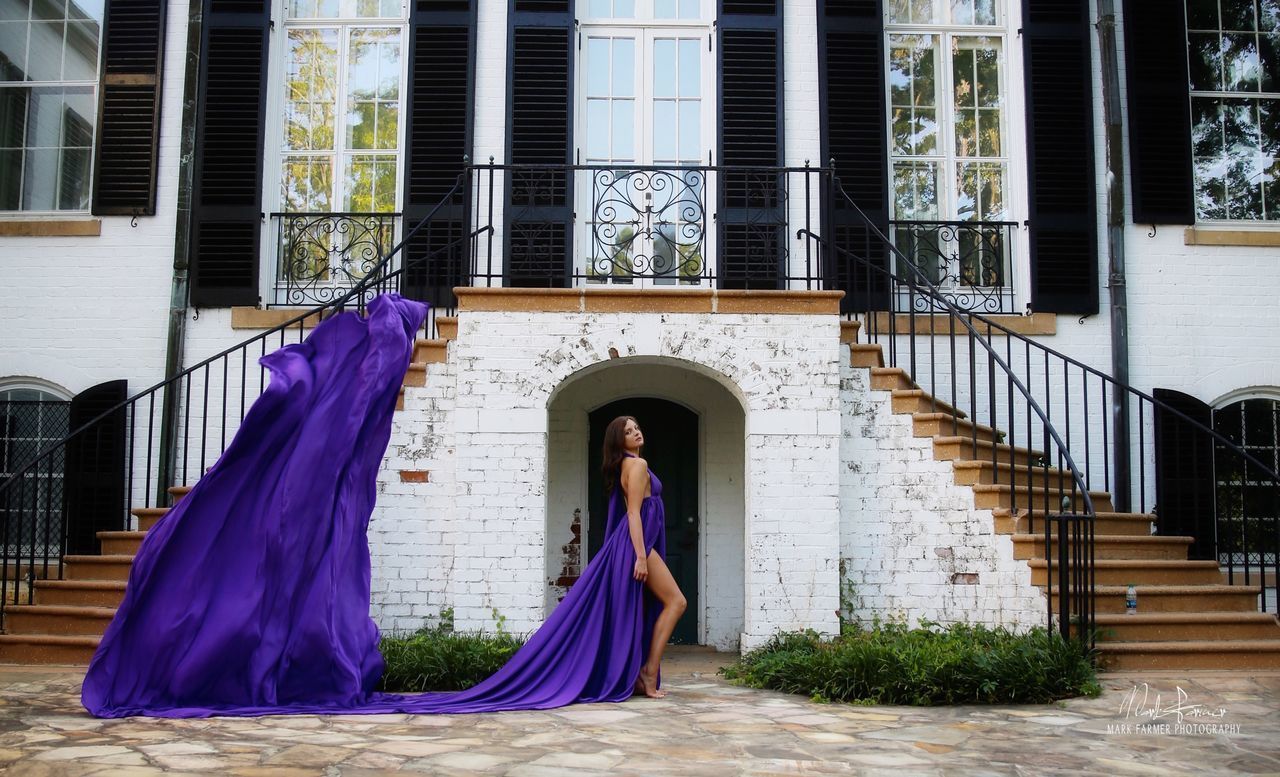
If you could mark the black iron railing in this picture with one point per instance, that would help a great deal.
(968, 262)
(321, 256)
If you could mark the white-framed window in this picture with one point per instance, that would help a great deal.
(951, 134)
(645, 111)
(1233, 51)
(338, 142)
(48, 103)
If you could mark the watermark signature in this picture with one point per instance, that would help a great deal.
(1147, 711)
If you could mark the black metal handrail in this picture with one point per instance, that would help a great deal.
(161, 454)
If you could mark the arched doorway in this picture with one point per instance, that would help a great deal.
(671, 449)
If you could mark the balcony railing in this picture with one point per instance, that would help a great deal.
(321, 256)
(969, 262)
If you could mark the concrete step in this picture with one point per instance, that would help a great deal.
(120, 543)
(177, 492)
(991, 496)
(416, 375)
(113, 567)
(947, 425)
(848, 331)
(1108, 571)
(47, 649)
(148, 517)
(56, 619)
(1197, 654)
(920, 401)
(19, 570)
(430, 351)
(969, 472)
(951, 447)
(1030, 522)
(1184, 626)
(1177, 598)
(447, 327)
(1121, 546)
(865, 355)
(891, 379)
(83, 593)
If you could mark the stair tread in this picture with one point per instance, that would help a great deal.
(102, 558)
(1001, 487)
(144, 511)
(952, 439)
(1155, 589)
(62, 609)
(1005, 512)
(121, 535)
(105, 585)
(1147, 539)
(52, 639)
(1194, 646)
(1185, 617)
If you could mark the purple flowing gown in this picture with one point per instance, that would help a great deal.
(251, 596)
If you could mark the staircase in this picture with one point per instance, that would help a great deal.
(1188, 616)
(69, 616)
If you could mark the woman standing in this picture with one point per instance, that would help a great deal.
(635, 496)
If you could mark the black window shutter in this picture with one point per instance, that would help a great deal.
(93, 485)
(438, 143)
(751, 217)
(1155, 39)
(226, 211)
(126, 155)
(1185, 498)
(852, 93)
(1063, 206)
(539, 207)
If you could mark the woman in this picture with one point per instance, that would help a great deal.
(251, 596)
(636, 496)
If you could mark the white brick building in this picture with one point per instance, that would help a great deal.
(668, 205)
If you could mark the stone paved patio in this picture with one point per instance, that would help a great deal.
(705, 727)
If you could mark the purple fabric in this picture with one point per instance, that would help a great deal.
(251, 596)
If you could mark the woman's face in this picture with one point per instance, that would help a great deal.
(631, 433)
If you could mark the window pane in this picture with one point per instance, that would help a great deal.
(912, 62)
(1269, 54)
(73, 179)
(370, 183)
(308, 182)
(15, 10)
(913, 11)
(915, 191)
(980, 191)
(973, 11)
(624, 9)
(690, 130)
(311, 88)
(690, 69)
(1202, 14)
(597, 67)
(664, 9)
(1238, 15)
(664, 130)
(44, 60)
(597, 130)
(624, 65)
(1241, 63)
(13, 50)
(1205, 55)
(49, 9)
(80, 60)
(664, 68)
(313, 9)
(624, 130)
(1269, 15)
(689, 9)
(373, 89)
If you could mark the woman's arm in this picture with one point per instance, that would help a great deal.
(634, 474)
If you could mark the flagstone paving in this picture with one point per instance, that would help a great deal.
(705, 727)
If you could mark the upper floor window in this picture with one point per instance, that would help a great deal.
(1234, 62)
(948, 146)
(48, 102)
(340, 143)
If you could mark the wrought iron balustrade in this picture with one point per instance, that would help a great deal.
(970, 262)
(321, 256)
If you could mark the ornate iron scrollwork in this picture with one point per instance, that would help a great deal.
(322, 255)
(647, 224)
(969, 262)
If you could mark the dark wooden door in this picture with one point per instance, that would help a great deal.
(671, 448)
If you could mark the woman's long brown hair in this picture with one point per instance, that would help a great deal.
(615, 450)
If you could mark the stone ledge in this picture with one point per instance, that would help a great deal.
(257, 318)
(50, 227)
(1202, 236)
(648, 301)
(939, 324)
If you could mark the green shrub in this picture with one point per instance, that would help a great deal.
(438, 659)
(931, 665)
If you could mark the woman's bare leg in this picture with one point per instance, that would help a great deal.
(664, 587)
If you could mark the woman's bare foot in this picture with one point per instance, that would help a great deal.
(648, 684)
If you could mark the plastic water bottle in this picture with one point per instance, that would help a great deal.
(1131, 600)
